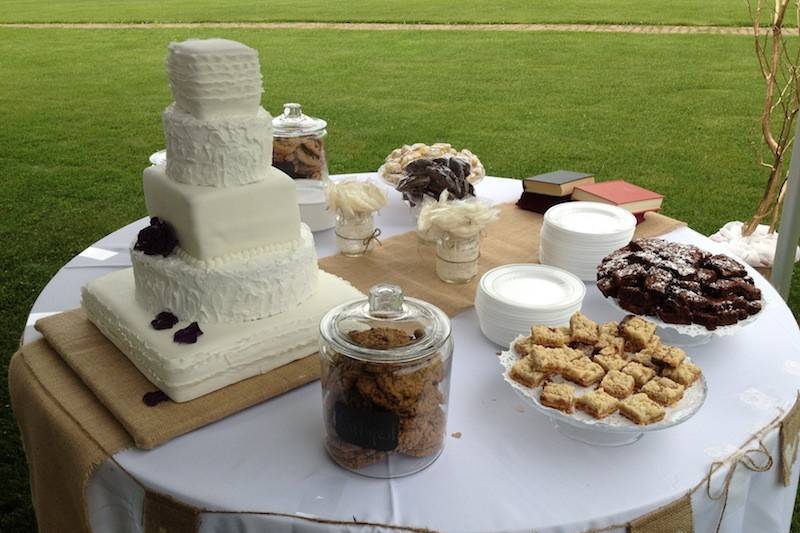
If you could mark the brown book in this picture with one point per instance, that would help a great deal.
(558, 183)
(620, 193)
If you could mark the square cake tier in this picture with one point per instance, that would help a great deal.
(224, 354)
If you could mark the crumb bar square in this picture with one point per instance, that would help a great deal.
(551, 360)
(524, 346)
(686, 373)
(644, 358)
(582, 329)
(559, 396)
(597, 403)
(610, 360)
(522, 372)
(663, 390)
(605, 340)
(618, 384)
(641, 409)
(552, 337)
(583, 371)
(670, 356)
(608, 328)
(640, 373)
(638, 332)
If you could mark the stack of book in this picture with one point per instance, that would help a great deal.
(540, 193)
(635, 199)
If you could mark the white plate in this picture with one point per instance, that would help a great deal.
(592, 218)
(313, 207)
(584, 273)
(158, 158)
(518, 312)
(532, 287)
(615, 430)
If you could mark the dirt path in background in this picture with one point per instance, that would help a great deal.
(594, 28)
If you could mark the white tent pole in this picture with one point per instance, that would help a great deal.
(789, 232)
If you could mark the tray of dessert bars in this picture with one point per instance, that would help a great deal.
(681, 287)
(604, 384)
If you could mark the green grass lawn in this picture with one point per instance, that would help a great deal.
(80, 113)
(697, 12)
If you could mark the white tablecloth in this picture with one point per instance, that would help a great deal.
(510, 470)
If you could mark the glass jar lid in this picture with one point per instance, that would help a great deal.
(386, 327)
(294, 123)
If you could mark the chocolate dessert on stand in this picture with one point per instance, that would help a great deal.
(421, 171)
(679, 283)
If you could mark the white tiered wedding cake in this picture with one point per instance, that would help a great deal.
(224, 283)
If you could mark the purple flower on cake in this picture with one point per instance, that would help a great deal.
(188, 335)
(156, 239)
(153, 398)
(164, 320)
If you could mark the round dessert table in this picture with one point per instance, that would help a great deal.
(505, 467)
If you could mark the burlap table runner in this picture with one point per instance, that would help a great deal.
(402, 260)
(119, 386)
(80, 401)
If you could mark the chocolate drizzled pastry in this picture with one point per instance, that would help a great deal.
(429, 177)
(679, 283)
(156, 239)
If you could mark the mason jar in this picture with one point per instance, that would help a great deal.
(385, 383)
(355, 232)
(457, 257)
(298, 144)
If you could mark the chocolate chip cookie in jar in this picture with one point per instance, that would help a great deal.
(298, 144)
(385, 383)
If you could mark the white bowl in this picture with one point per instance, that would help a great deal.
(313, 208)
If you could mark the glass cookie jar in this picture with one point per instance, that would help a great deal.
(298, 144)
(385, 383)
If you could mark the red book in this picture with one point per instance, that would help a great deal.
(620, 193)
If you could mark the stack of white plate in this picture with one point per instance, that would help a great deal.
(512, 298)
(576, 236)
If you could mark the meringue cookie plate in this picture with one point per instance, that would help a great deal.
(614, 430)
(510, 298)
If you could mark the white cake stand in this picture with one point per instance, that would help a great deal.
(690, 334)
(615, 430)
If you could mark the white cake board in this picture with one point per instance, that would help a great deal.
(224, 354)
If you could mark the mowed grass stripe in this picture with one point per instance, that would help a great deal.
(675, 12)
(80, 113)
(362, 26)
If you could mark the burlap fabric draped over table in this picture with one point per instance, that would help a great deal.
(78, 400)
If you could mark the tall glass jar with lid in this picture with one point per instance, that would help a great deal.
(298, 144)
(385, 383)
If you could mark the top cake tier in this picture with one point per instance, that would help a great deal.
(214, 78)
